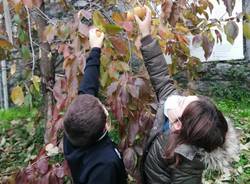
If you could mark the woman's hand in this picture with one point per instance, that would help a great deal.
(95, 38)
(144, 25)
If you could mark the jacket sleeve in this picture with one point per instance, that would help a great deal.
(157, 68)
(90, 81)
(104, 174)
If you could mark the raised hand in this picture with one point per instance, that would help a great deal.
(144, 25)
(95, 38)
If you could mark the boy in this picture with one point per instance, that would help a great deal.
(91, 155)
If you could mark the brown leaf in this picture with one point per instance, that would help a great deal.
(49, 33)
(231, 30)
(207, 44)
(120, 45)
(83, 29)
(166, 9)
(5, 44)
(230, 4)
(28, 3)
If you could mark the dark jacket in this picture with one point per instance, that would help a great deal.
(155, 169)
(100, 163)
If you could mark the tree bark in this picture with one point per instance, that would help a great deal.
(47, 73)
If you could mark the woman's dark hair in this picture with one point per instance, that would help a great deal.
(203, 126)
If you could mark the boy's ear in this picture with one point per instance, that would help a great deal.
(177, 125)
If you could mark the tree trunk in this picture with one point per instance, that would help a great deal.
(47, 73)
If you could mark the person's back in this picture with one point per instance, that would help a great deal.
(99, 163)
(91, 155)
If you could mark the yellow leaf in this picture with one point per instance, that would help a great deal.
(13, 69)
(246, 30)
(17, 95)
(36, 81)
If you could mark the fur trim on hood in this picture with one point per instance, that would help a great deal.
(222, 157)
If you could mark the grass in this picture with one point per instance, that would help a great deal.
(21, 137)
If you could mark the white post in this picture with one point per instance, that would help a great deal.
(5, 87)
(7, 19)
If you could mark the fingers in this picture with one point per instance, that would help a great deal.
(148, 12)
(137, 19)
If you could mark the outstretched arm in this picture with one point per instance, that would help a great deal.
(154, 60)
(90, 81)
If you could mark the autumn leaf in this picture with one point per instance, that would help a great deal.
(112, 29)
(230, 4)
(129, 159)
(207, 43)
(49, 33)
(231, 30)
(4, 43)
(197, 41)
(119, 44)
(36, 81)
(13, 69)
(98, 20)
(166, 9)
(246, 30)
(28, 3)
(17, 95)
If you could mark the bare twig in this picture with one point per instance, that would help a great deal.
(31, 42)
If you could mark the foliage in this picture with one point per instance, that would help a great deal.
(128, 93)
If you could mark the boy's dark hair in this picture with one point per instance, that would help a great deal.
(84, 121)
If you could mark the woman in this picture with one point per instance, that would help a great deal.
(197, 137)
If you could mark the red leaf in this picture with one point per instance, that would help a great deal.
(133, 130)
(42, 165)
(230, 4)
(218, 35)
(112, 88)
(128, 26)
(133, 91)
(197, 41)
(124, 95)
(231, 30)
(59, 172)
(129, 159)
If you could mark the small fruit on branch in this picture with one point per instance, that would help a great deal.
(139, 11)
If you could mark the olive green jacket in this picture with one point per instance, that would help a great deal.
(195, 160)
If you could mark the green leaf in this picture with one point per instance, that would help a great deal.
(25, 53)
(98, 20)
(17, 19)
(36, 81)
(23, 36)
(112, 29)
(231, 30)
(246, 30)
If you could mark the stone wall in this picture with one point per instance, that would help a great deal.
(218, 75)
